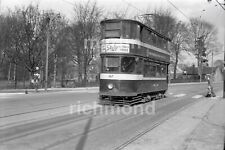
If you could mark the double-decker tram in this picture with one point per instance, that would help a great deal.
(134, 62)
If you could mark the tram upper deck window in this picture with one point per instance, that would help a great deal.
(135, 31)
(126, 30)
(112, 30)
(130, 30)
(111, 64)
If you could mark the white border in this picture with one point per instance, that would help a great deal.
(132, 41)
(108, 76)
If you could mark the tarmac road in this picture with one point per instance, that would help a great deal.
(100, 128)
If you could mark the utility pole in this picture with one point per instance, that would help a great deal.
(46, 61)
(200, 46)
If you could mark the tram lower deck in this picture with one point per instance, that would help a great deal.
(114, 91)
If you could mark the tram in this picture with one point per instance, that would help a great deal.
(134, 62)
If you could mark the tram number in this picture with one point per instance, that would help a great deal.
(110, 76)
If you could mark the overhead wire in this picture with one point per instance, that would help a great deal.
(179, 10)
(68, 2)
(128, 3)
(220, 5)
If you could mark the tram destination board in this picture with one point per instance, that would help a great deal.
(115, 48)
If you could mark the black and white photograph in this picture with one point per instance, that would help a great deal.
(112, 74)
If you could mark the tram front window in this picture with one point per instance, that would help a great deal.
(111, 64)
(128, 64)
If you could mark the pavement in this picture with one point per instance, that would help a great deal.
(29, 91)
(199, 127)
(80, 89)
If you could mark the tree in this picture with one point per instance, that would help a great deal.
(24, 37)
(202, 40)
(85, 28)
(56, 25)
(179, 43)
(162, 21)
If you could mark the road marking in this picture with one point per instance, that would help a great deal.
(171, 93)
(197, 96)
(179, 95)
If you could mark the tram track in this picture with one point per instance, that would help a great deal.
(95, 129)
(55, 122)
(46, 116)
(58, 114)
(59, 107)
(216, 86)
(38, 127)
(65, 121)
(119, 121)
(134, 138)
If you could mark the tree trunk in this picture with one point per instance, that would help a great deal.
(85, 74)
(79, 70)
(175, 66)
(9, 72)
(55, 67)
(15, 76)
(24, 77)
(62, 76)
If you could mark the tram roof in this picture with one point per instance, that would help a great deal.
(137, 22)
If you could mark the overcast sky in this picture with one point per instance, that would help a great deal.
(190, 8)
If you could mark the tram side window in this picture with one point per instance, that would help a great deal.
(150, 38)
(110, 64)
(165, 44)
(144, 35)
(149, 69)
(146, 68)
(164, 70)
(139, 65)
(158, 70)
(128, 64)
(154, 40)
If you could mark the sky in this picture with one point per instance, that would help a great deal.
(189, 8)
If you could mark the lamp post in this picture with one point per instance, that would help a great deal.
(46, 61)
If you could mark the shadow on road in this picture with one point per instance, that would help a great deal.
(81, 143)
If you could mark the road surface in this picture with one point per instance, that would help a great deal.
(52, 120)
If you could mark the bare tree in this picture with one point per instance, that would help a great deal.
(179, 43)
(206, 33)
(85, 28)
(24, 36)
(162, 21)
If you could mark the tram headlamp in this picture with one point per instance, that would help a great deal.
(110, 86)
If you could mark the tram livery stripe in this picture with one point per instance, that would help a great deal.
(131, 41)
(127, 77)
